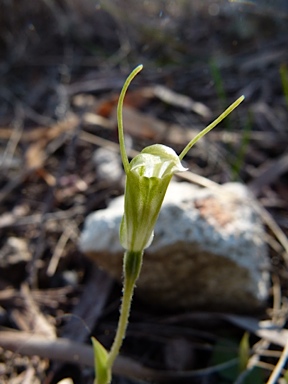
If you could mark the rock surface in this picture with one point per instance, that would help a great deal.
(208, 251)
(108, 165)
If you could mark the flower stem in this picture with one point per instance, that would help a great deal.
(131, 269)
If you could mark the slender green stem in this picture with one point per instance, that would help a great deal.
(131, 266)
(210, 126)
(120, 117)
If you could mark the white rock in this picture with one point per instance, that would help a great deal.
(208, 251)
(108, 165)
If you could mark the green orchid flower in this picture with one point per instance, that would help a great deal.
(147, 178)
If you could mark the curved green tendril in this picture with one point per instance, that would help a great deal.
(120, 117)
(211, 126)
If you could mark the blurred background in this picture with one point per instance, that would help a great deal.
(210, 51)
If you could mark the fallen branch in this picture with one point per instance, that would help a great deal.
(73, 352)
